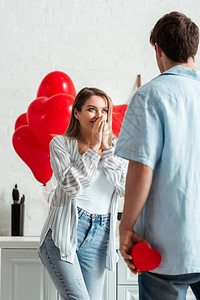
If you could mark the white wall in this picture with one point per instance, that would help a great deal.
(101, 43)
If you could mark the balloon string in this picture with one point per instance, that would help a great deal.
(46, 195)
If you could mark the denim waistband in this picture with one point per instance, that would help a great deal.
(101, 219)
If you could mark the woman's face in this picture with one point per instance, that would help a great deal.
(94, 108)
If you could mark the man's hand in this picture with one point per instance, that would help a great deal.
(128, 239)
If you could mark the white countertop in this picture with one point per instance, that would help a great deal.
(19, 241)
(26, 242)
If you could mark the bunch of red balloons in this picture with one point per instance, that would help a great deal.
(48, 115)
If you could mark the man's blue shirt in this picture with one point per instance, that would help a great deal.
(161, 129)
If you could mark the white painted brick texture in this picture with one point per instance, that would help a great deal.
(103, 43)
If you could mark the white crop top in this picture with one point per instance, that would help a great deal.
(96, 198)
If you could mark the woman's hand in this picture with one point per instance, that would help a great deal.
(97, 132)
(106, 137)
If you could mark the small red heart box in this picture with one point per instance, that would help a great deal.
(144, 257)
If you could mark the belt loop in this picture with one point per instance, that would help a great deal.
(80, 212)
(101, 220)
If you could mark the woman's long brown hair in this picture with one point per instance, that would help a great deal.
(81, 98)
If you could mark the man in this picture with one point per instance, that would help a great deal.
(160, 137)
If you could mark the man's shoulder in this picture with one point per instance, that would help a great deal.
(170, 82)
(157, 84)
(159, 88)
(152, 92)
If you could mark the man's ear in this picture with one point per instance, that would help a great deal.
(159, 51)
(76, 113)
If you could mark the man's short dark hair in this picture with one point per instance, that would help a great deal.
(177, 36)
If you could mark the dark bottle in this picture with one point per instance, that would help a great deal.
(15, 194)
(17, 220)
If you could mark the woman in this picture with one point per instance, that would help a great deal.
(78, 239)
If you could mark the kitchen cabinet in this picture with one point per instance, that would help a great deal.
(23, 276)
(22, 273)
(127, 282)
(128, 293)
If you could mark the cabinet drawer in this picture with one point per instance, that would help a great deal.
(128, 292)
(125, 276)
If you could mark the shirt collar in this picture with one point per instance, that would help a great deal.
(182, 71)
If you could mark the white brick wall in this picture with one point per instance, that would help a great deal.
(101, 43)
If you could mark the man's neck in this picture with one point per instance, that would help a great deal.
(170, 64)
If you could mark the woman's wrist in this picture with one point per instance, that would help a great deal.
(106, 147)
(95, 148)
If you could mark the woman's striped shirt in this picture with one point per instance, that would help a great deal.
(74, 172)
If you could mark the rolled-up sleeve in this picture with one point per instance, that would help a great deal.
(141, 135)
(115, 168)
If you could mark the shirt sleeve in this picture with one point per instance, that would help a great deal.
(141, 135)
(72, 176)
(115, 168)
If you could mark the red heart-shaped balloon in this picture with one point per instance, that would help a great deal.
(48, 117)
(144, 257)
(21, 121)
(118, 117)
(56, 83)
(30, 151)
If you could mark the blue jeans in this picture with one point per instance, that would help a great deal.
(84, 279)
(167, 287)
